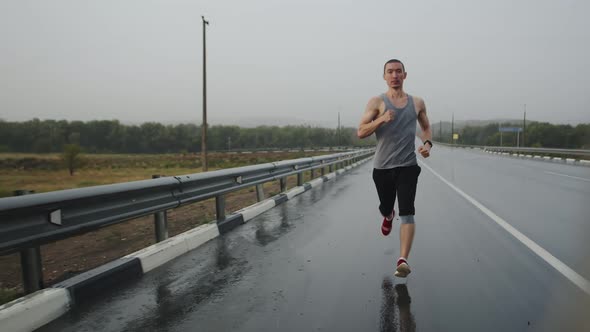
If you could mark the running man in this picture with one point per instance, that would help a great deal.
(392, 117)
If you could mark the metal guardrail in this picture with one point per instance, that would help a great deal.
(569, 152)
(538, 151)
(28, 221)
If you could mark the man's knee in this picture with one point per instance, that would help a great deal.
(409, 219)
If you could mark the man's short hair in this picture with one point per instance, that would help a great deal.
(394, 61)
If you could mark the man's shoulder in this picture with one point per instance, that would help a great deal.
(417, 99)
(376, 101)
(419, 103)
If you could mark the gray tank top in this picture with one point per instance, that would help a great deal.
(395, 140)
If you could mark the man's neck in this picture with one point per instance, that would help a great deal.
(396, 93)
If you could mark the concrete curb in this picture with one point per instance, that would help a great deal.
(90, 283)
(230, 222)
(256, 209)
(37, 309)
(294, 192)
(34, 310)
(316, 182)
(280, 198)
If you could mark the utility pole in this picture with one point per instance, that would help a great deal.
(204, 128)
(453, 129)
(524, 128)
(338, 129)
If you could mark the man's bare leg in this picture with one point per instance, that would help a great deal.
(406, 236)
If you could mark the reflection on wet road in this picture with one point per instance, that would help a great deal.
(396, 314)
(268, 231)
(319, 262)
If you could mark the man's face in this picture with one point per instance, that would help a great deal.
(394, 75)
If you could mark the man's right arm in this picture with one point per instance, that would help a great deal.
(371, 119)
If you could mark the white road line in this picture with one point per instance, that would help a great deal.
(569, 273)
(568, 176)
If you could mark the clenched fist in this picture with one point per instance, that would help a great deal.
(424, 150)
(387, 116)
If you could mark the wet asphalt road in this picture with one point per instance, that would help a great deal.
(319, 262)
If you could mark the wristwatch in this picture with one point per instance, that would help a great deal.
(429, 142)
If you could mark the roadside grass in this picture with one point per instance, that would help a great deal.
(46, 172)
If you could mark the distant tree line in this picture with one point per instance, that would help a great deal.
(41, 136)
(538, 134)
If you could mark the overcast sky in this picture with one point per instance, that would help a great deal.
(303, 61)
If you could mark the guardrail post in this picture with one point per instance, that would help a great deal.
(312, 174)
(283, 184)
(331, 168)
(30, 262)
(300, 179)
(323, 171)
(259, 192)
(220, 207)
(160, 222)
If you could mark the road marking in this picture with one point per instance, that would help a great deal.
(568, 176)
(569, 273)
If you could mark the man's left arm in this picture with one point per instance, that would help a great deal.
(426, 135)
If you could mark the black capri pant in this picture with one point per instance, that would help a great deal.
(400, 181)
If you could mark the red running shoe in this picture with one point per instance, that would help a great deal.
(386, 225)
